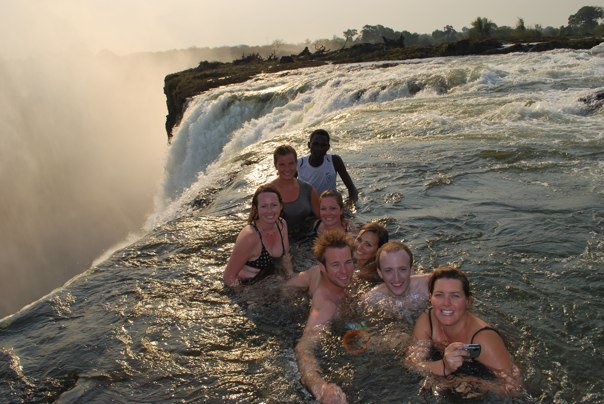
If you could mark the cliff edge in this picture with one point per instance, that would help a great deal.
(180, 87)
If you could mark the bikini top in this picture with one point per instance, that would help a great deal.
(265, 262)
(469, 367)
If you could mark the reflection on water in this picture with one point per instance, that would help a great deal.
(501, 179)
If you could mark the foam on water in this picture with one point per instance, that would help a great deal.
(488, 162)
(224, 121)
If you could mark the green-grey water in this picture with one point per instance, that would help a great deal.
(492, 163)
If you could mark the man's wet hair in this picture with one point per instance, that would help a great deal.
(331, 239)
(391, 246)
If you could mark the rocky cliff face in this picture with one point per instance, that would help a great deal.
(181, 86)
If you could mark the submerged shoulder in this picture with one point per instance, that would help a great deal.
(375, 295)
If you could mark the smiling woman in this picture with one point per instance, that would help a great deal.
(370, 238)
(262, 244)
(442, 335)
(300, 199)
(331, 211)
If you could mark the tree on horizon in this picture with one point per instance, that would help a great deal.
(482, 28)
(349, 35)
(586, 19)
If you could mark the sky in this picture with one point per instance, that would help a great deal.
(124, 26)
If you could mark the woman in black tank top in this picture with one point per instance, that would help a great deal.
(441, 336)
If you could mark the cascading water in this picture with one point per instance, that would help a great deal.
(490, 162)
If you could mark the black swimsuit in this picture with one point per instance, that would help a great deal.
(469, 366)
(265, 262)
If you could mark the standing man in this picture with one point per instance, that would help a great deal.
(333, 251)
(319, 168)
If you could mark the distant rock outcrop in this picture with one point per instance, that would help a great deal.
(180, 87)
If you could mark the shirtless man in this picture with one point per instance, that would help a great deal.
(401, 290)
(333, 251)
(370, 238)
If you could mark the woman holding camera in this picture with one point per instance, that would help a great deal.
(449, 340)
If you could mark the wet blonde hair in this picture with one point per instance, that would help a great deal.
(331, 239)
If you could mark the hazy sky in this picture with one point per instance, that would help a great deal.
(148, 25)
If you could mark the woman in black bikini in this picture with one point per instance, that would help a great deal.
(262, 245)
(446, 329)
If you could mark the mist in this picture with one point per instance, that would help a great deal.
(82, 147)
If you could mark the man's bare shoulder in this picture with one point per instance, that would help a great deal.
(305, 280)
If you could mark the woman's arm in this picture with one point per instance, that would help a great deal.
(493, 353)
(242, 252)
(496, 357)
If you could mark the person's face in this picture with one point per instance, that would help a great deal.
(395, 270)
(318, 145)
(268, 207)
(339, 266)
(449, 301)
(365, 245)
(286, 166)
(330, 212)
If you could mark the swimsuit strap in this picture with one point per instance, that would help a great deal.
(484, 329)
(279, 228)
(430, 319)
(315, 228)
(259, 235)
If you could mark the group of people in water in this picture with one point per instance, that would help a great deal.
(446, 340)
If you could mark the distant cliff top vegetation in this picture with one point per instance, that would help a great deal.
(227, 65)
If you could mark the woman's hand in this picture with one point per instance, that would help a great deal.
(453, 357)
